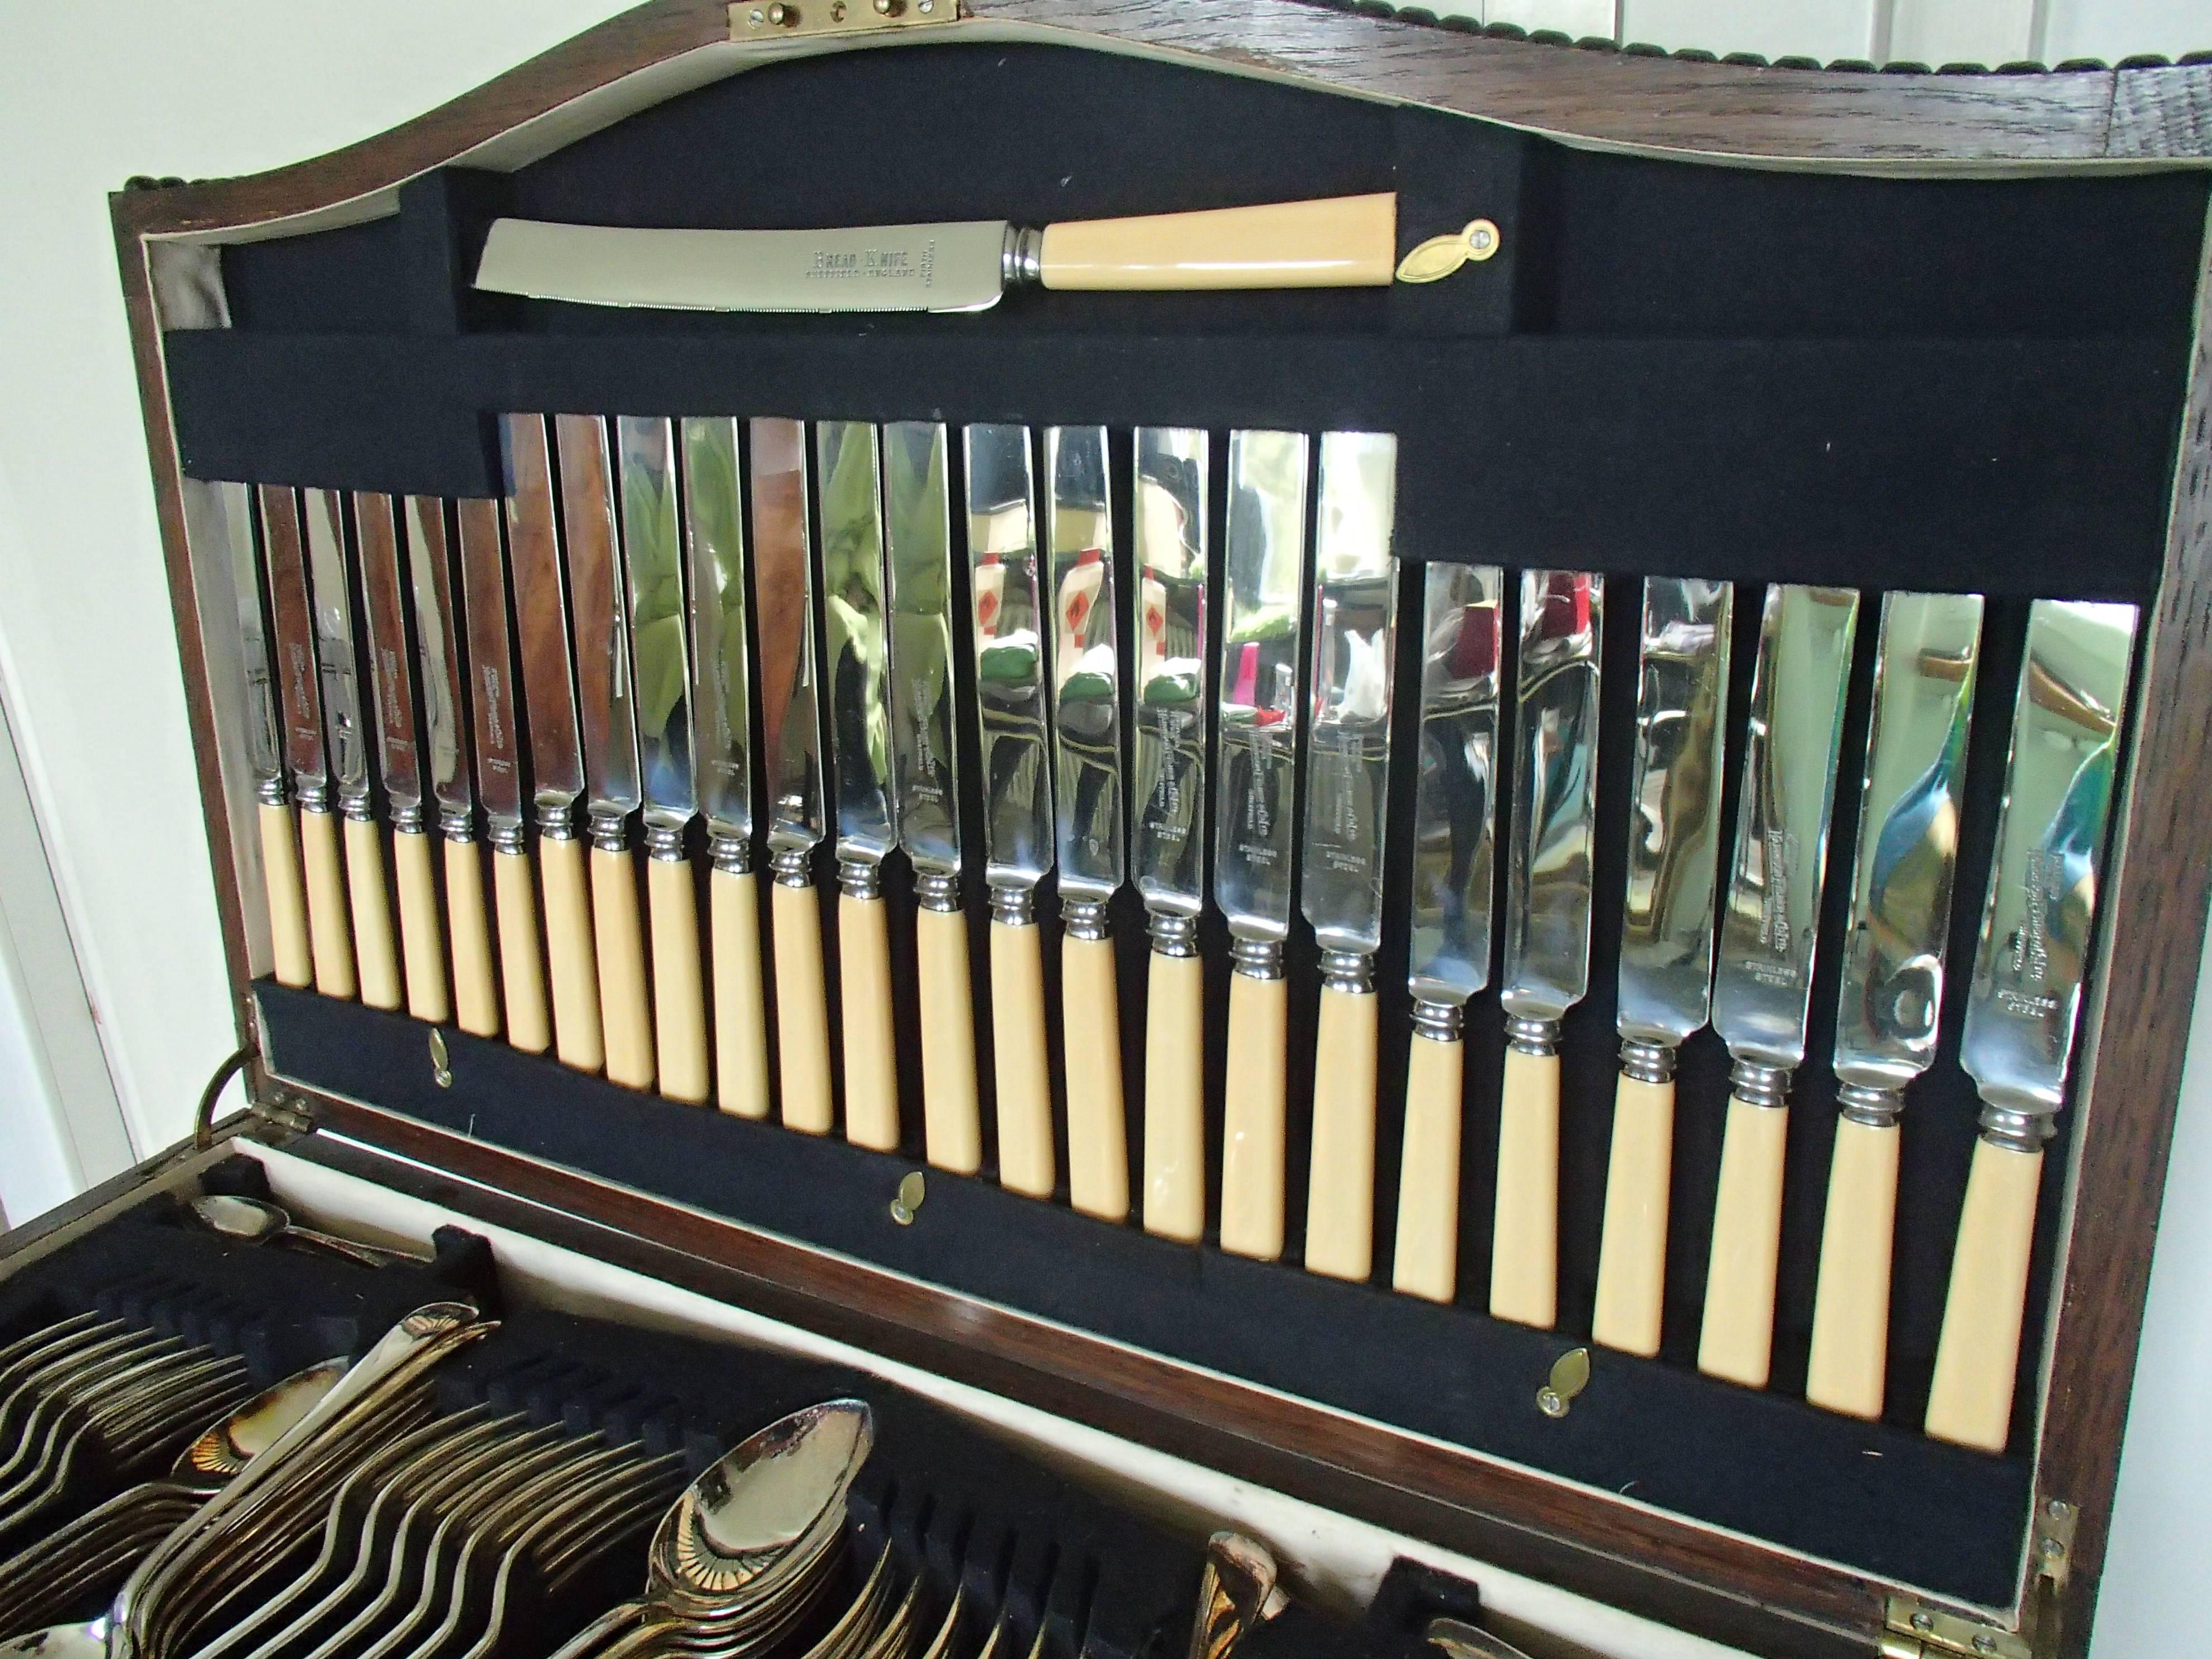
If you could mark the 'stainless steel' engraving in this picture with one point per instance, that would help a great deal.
(652, 557)
(714, 560)
(1086, 673)
(1009, 667)
(1456, 793)
(324, 516)
(541, 610)
(918, 537)
(857, 645)
(1167, 793)
(783, 576)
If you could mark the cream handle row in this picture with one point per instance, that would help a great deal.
(422, 942)
(1098, 1134)
(1977, 1356)
(1174, 1097)
(679, 993)
(1524, 1271)
(1341, 1185)
(1631, 1266)
(1252, 1138)
(870, 1044)
(1027, 1161)
(1345, 241)
(952, 1127)
(1737, 1340)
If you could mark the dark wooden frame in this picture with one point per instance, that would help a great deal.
(2153, 921)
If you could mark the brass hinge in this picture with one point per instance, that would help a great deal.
(770, 19)
(1918, 1632)
(285, 1112)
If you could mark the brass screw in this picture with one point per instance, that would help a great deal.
(1985, 1644)
(783, 17)
(837, 12)
(927, 6)
(1923, 1621)
(757, 17)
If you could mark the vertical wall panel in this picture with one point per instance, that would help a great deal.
(1939, 31)
(1577, 19)
(2113, 29)
(1823, 29)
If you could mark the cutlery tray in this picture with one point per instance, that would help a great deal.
(1721, 338)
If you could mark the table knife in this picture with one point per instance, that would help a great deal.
(1455, 811)
(499, 774)
(1011, 731)
(857, 647)
(392, 681)
(2024, 1003)
(1261, 651)
(1666, 934)
(446, 740)
(329, 584)
(1167, 828)
(1086, 730)
(918, 547)
(1767, 939)
(556, 747)
(721, 712)
(652, 558)
(265, 740)
(1347, 802)
(1547, 911)
(1892, 991)
(1348, 241)
(791, 730)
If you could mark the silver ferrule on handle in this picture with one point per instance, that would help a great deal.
(1758, 1084)
(270, 791)
(861, 878)
(408, 820)
(313, 797)
(555, 821)
(1173, 935)
(357, 808)
(1351, 972)
(792, 867)
(1646, 1062)
(1439, 1022)
(938, 891)
(1083, 918)
(664, 842)
(507, 836)
(457, 824)
(1013, 907)
(1877, 1108)
(732, 855)
(2017, 1130)
(611, 832)
(1532, 1034)
(1257, 958)
(1021, 259)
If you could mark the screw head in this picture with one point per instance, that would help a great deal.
(927, 6)
(1923, 1621)
(837, 12)
(1984, 1645)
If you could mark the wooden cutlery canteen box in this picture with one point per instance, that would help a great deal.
(1483, 811)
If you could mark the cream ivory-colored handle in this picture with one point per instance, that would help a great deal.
(421, 946)
(625, 1005)
(1737, 1340)
(571, 955)
(476, 988)
(1970, 1402)
(1252, 1197)
(1341, 1190)
(802, 1015)
(521, 967)
(287, 899)
(871, 1045)
(1850, 1309)
(1524, 1247)
(330, 937)
(1344, 241)
(1174, 1097)
(370, 898)
(1097, 1132)
(679, 993)
(1631, 1260)
(1026, 1160)
(741, 1083)
(952, 1120)
(1427, 1258)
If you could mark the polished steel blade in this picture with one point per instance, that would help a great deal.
(1675, 810)
(652, 558)
(1456, 795)
(1168, 801)
(1086, 672)
(790, 726)
(721, 668)
(1262, 650)
(918, 529)
(1773, 906)
(1009, 694)
(298, 682)
(856, 643)
(491, 669)
(264, 736)
(1348, 753)
(322, 516)
(944, 267)
(438, 647)
(598, 606)
(1908, 840)
(541, 613)
(390, 665)
(2037, 921)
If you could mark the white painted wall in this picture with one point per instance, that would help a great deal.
(95, 90)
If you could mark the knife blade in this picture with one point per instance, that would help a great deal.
(234, 505)
(598, 607)
(653, 561)
(918, 547)
(1893, 983)
(858, 680)
(1765, 975)
(2023, 1006)
(1171, 533)
(1260, 653)
(1547, 910)
(392, 679)
(1666, 934)
(1340, 242)
(322, 514)
(1011, 737)
(556, 749)
(1455, 812)
(499, 773)
(791, 731)
(721, 707)
(1086, 730)
(445, 741)
(1346, 814)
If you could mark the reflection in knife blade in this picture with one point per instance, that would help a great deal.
(491, 672)
(919, 545)
(597, 604)
(1086, 674)
(720, 697)
(858, 667)
(298, 682)
(1009, 694)
(1456, 795)
(652, 558)
(323, 515)
(1168, 834)
(445, 700)
(233, 503)
(541, 610)
(390, 670)
(789, 720)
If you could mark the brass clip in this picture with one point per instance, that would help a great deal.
(441, 1064)
(1571, 1374)
(912, 1190)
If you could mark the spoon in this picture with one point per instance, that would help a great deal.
(255, 1220)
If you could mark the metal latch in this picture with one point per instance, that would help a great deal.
(769, 20)
(291, 1113)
